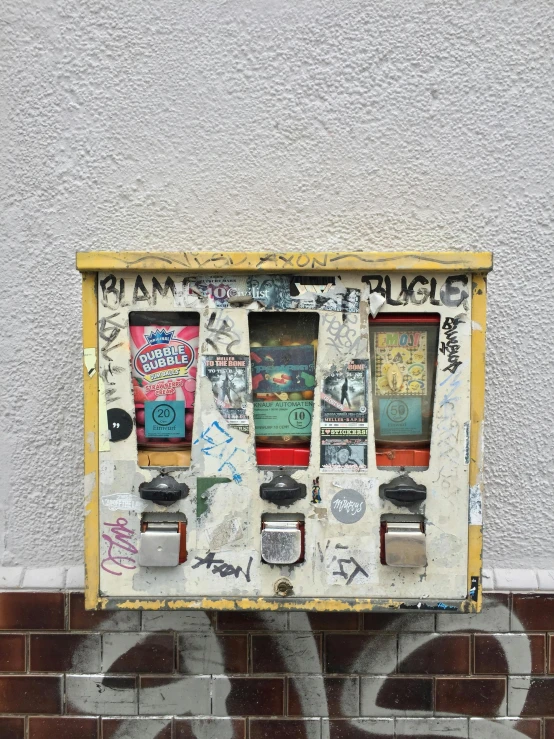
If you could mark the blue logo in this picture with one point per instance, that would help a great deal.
(159, 336)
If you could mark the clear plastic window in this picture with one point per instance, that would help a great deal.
(403, 352)
(164, 357)
(283, 348)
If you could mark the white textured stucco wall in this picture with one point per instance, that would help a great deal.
(312, 124)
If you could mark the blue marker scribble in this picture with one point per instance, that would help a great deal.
(216, 443)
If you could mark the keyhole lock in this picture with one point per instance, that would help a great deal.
(283, 587)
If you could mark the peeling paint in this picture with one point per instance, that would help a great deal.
(91, 441)
(475, 506)
(89, 357)
(90, 486)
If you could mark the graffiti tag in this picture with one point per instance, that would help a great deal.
(222, 568)
(119, 540)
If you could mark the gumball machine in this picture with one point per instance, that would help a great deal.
(164, 357)
(283, 349)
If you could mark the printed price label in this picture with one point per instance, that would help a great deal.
(400, 417)
(164, 419)
(283, 417)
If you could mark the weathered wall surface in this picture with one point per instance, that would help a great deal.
(271, 125)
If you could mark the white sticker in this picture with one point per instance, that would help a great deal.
(89, 357)
(123, 502)
(475, 506)
(376, 302)
(179, 296)
(103, 430)
(107, 472)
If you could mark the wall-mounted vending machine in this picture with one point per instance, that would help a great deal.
(284, 431)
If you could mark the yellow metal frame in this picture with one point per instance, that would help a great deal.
(90, 263)
(406, 261)
(92, 467)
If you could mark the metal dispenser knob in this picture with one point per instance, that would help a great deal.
(403, 491)
(282, 490)
(163, 490)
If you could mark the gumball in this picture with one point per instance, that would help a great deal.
(295, 396)
(140, 417)
(255, 343)
(308, 394)
(139, 395)
(190, 385)
(189, 399)
(189, 419)
(141, 435)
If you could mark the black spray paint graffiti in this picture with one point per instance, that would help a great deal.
(108, 331)
(113, 290)
(451, 346)
(222, 568)
(353, 569)
(219, 329)
(452, 294)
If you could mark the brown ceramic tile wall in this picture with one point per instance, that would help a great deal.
(66, 673)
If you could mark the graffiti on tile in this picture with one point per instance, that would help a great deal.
(360, 678)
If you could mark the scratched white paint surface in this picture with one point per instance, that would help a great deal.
(341, 559)
(284, 125)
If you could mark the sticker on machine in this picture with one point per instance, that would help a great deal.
(400, 362)
(272, 291)
(123, 502)
(227, 375)
(343, 450)
(348, 506)
(218, 288)
(283, 380)
(344, 395)
(345, 300)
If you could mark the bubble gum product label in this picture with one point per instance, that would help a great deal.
(164, 360)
